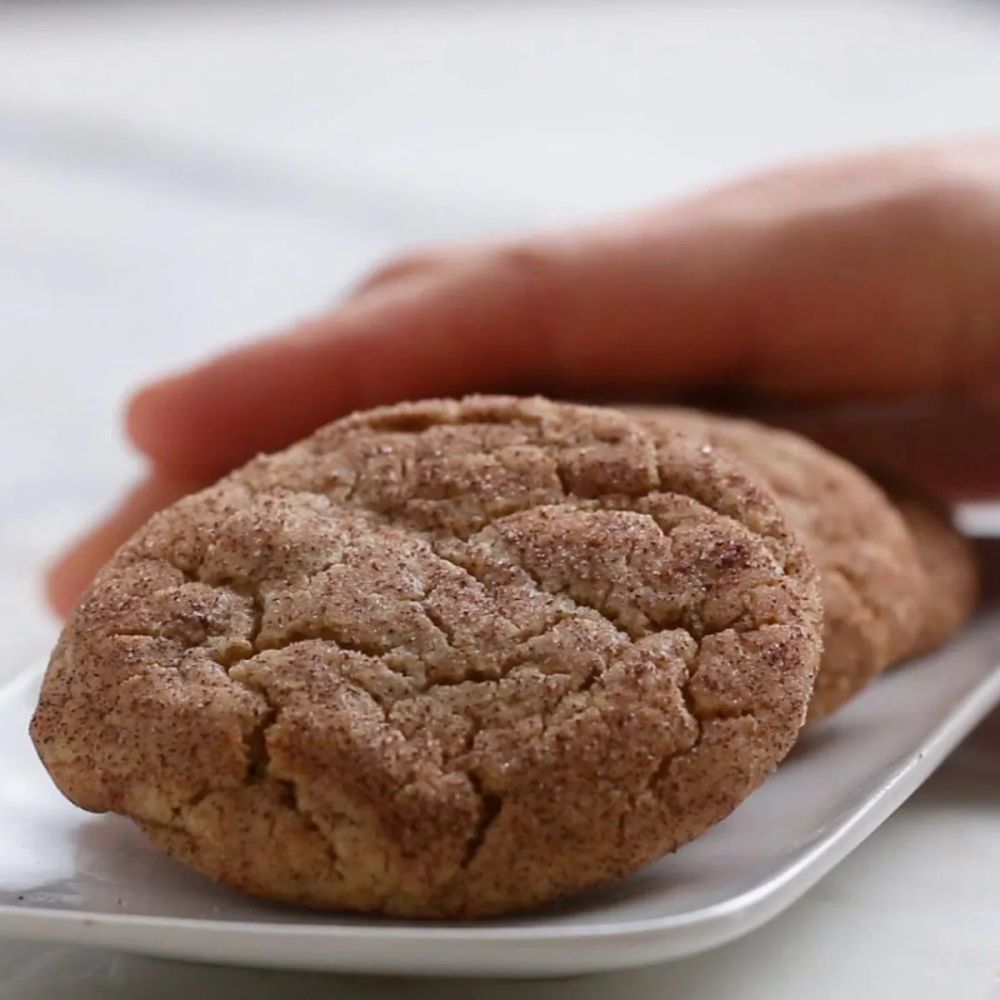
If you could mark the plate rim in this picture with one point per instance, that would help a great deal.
(730, 918)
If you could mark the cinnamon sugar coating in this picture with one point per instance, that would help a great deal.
(451, 658)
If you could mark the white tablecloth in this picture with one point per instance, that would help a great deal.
(176, 176)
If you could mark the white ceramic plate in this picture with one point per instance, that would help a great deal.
(70, 877)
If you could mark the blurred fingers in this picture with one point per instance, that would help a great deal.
(69, 576)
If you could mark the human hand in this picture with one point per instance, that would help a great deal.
(867, 277)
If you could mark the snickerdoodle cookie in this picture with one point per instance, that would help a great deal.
(872, 579)
(950, 570)
(444, 658)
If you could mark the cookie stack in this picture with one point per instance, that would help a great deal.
(459, 658)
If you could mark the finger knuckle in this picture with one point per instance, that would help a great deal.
(402, 266)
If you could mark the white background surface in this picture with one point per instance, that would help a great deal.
(174, 177)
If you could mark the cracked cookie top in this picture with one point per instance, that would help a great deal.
(444, 658)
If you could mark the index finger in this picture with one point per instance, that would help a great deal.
(538, 316)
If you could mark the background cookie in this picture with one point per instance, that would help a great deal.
(871, 576)
(950, 571)
(448, 658)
